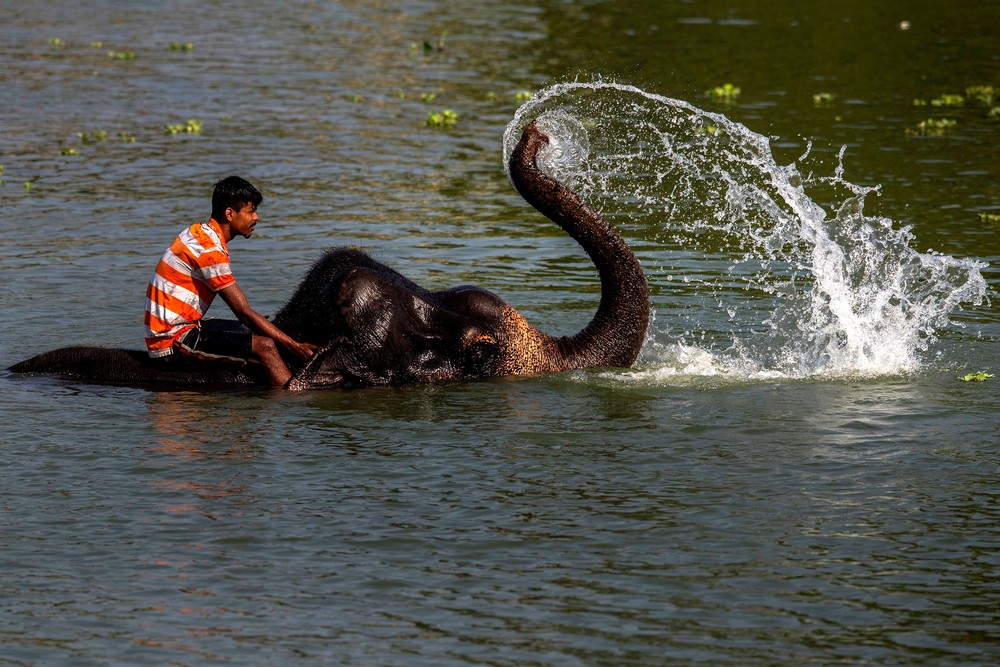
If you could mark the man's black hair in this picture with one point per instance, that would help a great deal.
(233, 192)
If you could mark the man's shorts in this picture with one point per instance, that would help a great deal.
(217, 340)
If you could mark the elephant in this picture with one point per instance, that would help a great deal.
(374, 327)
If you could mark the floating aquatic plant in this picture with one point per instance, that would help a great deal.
(442, 119)
(353, 98)
(707, 128)
(933, 127)
(823, 99)
(97, 45)
(985, 95)
(725, 94)
(429, 47)
(190, 127)
(56, 42)
(68, 151)
(946, 100)
(92, 137)
(522, 96)
(427, 98)
(980, 376)
(121, 55)
(992, 218)
(126, 137)
(437, 46)
(186, 47)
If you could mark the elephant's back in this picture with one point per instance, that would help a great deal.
(131, 367)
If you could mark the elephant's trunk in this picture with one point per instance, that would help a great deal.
(615, 335)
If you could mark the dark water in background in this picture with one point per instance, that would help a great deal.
(580, 519)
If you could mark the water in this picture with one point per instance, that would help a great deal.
(851, 295)
(792, 474)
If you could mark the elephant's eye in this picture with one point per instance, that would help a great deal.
(480, 352)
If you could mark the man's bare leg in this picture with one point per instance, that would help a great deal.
(265, 351)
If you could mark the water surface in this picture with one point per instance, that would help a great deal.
(686, 511)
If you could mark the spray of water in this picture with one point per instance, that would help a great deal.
(752, 277)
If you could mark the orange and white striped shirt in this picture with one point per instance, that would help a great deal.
(183, 286)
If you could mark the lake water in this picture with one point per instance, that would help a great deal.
(792, 473)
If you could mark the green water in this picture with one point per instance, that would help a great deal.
(678, 513)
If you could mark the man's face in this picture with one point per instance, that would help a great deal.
(243, 221)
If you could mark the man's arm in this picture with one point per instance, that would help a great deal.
(260, 325)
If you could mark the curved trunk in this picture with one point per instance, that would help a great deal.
(615, 335)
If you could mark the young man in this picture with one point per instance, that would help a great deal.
(192, 271)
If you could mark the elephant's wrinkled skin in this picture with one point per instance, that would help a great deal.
(376, 327)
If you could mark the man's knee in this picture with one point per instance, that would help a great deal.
(264, 347)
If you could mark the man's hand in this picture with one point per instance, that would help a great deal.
(302, 350)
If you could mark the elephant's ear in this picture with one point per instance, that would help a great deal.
(323, 370)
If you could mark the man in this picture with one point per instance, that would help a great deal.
(192, 271)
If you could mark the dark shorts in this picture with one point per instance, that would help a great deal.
(218, 340)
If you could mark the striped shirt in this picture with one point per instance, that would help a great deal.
(183, 286)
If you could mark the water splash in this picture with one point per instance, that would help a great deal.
(772, 284)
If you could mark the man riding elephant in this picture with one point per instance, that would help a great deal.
(188, 276)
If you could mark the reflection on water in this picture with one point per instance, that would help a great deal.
(190, 426)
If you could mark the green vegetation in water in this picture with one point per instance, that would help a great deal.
(523, 96)
(353, 98)
(96, 44)
(992, 218)
(823, 99)
(933, 127)
(121, 55)
(946, 100)
(724, 94)
(444, 118)
(186, 47)
(984, 95)
(429, 47)
(92, 137)
(126, 137)
(69, 151)
(439, 45)
(190, 127)
(56, 42)
(427, 98)
(980, 376)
